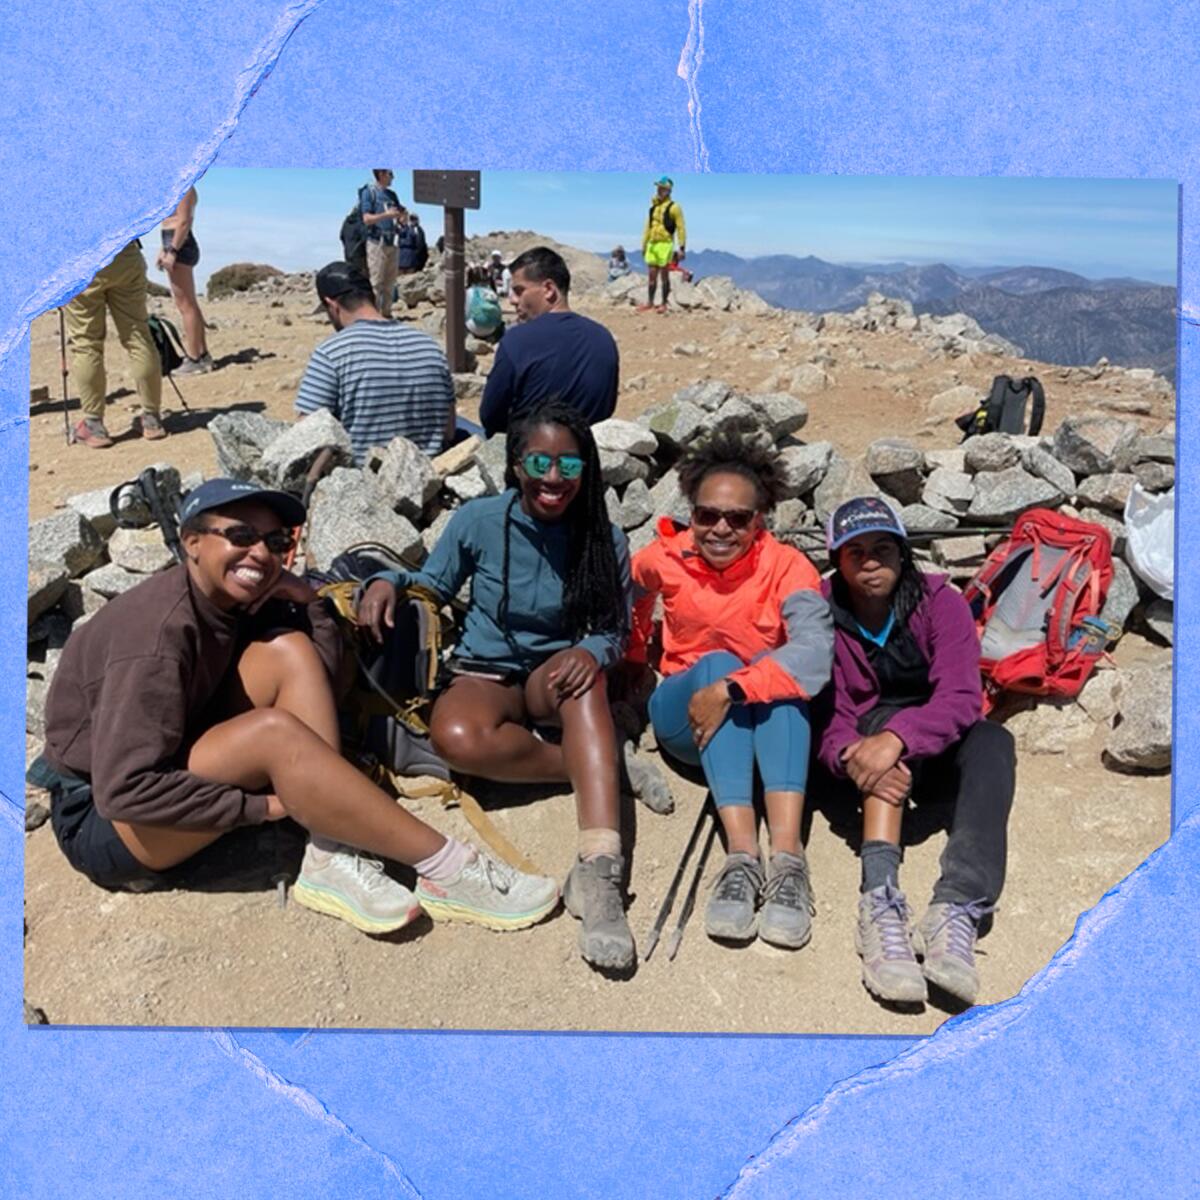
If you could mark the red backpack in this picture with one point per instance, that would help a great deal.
(1037, 602)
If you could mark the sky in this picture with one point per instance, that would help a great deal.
(1097, 228)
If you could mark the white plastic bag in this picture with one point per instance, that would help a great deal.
(1150, 538)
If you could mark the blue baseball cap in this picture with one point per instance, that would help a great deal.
(664, 181)
(217, 493)
(863, 514)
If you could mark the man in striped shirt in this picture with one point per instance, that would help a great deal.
(380, 379)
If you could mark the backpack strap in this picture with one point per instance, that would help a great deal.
(1038, 412)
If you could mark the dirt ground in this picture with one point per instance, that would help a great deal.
(219, 950)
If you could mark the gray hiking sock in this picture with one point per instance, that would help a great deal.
(880, 865)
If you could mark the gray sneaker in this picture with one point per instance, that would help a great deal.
(351, 885)
(195, 366)
(946, 939)
(788, 908)
(889, 968)
(489, 893)
(593, 896)
(730, 913)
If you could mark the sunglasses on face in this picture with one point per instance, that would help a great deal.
(278, 541)
(736, 518)
(537, 466)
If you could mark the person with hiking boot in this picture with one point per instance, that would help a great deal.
(664, 226)
(551, 353)
(379, 378)
(118, 290)
(547, 618)
(411, 250)
(381, 211)
(204, 699)
(178, 257)
(746, 641)
(901, 719)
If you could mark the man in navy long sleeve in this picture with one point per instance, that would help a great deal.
(553, 353)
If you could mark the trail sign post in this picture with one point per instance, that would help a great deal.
(454, 191)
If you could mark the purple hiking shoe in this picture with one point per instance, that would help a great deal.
(946, 940)
(889, 967)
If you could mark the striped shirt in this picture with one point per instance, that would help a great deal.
(381, 380)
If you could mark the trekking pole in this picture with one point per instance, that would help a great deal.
(62, 359)
(689, 902)
(669, 902)
(171, 381)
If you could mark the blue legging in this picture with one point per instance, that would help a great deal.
(776, 735)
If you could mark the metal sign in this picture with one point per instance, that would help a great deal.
(448, 189)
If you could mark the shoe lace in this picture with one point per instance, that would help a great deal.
(370, 871)
(790, 885)
(500, 876)
(960, 921)
(889, 914)
(737, 881)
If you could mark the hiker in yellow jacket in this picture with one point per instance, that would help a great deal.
(664, 225)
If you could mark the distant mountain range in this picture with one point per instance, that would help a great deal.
(1055, 316)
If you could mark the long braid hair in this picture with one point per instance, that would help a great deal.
(593, 593)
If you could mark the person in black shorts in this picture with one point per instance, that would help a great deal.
(179, 255)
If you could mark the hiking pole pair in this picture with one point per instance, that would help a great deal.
(62, 358)
(689, 902)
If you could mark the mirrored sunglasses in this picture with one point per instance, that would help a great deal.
(736, 518)
(278, 541)
(537, 466)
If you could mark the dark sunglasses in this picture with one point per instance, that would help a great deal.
(278, 541)
(736, 518)
(537, 466)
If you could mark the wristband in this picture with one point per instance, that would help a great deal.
(735, 692)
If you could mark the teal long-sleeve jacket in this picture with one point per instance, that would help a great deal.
(472, 546)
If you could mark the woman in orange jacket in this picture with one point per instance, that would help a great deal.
(747, 639)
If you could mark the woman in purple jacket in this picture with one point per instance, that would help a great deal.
(904, 712)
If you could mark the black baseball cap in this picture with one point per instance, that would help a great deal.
(339, 279)
(216, 493)
(863, 514)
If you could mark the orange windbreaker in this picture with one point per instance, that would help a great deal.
(766, 608)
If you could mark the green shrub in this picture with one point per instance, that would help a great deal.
(238, 277)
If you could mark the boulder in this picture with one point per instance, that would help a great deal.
(35, 706)
(1109, 491)
(1141, 736)
(990, 452)
(1050, 727)
(805, 467)
(948, 491)
(66, 538)
(1001, 495)
(1096, 445)
(1100, 697)
(920, 518)
(958, 551)
(111, 580)
(141, 551)
(288, 457)
(737, 408)
(635, 507)
(951, 460)
(407, 478)
(676, 423)
(845, 479)
(1122, 596)
(617, 468)
(709, 394)
(1153, 447)
(1159, 616)
(240, 439)
(628, 437)
(458, 458)
(1116, 530)
(430, 536)
(1037, 460)
(492, 459)
(667, 500)
(784, 414)
(808, 378)
(1155, 476)
(47, 583)
(348, 506)
(953, 402)
(792, 517)
(717, 291)
(895, 464)
(467, 485)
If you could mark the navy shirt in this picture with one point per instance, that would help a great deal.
(557, 356)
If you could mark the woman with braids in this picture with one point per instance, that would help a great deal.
(746, 641)
(547, 617)
(904, 710)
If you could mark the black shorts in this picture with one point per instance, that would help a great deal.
(89, 841)
(189, 252)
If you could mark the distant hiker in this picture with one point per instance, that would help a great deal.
(179, 255)
(664, 226)
(548, 616)
(379, 378)
(203, 699)
(411, 250)
(553, 353)
(746, 642)
(901, 718)
(381, 210)
(499, 276)
(119, 290)
(618, 264)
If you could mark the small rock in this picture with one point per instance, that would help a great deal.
(111, 580)
(142, 551)
(667, 500)
(1095, 445)
(1001, 495)
(35, 1016)
(1141, 735)
(676, 423)
(1037, 460)
(288, 457)
(1155, 447)
(240, 439)
(66, 538)
(430, 536)
(36, 814)
(805, 467)
(737, 408)
(687, 350)
(1050, 727)
(492, 460)
(1109, 490)
(627, 437)
(708, 395)
(1100, 696)
(348, 507)
(1116, 530)
(635, 507)
(1122, 596)
(947, 405)
(407, 478)
(990, 452)
(958, 551)
(952, 460)
(458, 458)
(1159, 616)
(35, 706)
(467, 485)
(948, 491)
(1155, 476)
(919, 518)
(47, 583)
(617, 468)
(845, 479)
(784, 413)
(808, 378)
(790, 517)
(895, 464)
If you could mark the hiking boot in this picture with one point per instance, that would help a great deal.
(195, 366)
(730, 913)
(593, 895)
(351, 885)
(151, 427)
(645, 307)
(946, 939)
(788, 908)
(91, 432)
(646, 781)
(489, 893)
(660, 308)
(889, 968)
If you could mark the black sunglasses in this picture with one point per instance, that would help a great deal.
(278, 541)
(736, 518)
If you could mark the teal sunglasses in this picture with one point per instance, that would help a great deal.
(537, 466)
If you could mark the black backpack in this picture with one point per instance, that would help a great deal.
(353, 235)
(1004, 409)
(668, 217)
(167, 342)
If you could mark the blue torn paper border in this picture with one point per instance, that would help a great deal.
(1085, 1083)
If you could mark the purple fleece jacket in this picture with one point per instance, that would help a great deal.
(944, 629)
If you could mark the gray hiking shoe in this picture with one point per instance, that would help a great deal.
(730, 913)
(646, 781)
(593, 896)
(489, 893)
(788, 908)
(946, 939)
(353, 886)
(195, 366)
(889, 968)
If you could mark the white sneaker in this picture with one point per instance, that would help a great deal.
(351, 885)
(489, 893)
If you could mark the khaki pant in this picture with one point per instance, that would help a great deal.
(381, 265)
(119, 289)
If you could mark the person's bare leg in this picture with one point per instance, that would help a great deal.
(784, 810)
(183, 292)
(287, 672)
(741, 832)
(881, 820)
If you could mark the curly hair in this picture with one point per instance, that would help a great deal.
(740, 446)
(593, 593)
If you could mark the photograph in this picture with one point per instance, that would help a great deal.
(598, 602)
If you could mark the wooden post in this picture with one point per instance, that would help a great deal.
(456, 290)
